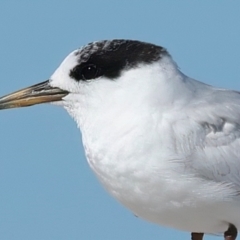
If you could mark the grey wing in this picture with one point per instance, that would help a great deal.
(216, 153)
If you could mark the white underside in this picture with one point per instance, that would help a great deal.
(165, 146)
(162, 191)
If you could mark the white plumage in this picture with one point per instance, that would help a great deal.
(164, 145)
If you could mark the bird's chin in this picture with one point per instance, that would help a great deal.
(57, 103)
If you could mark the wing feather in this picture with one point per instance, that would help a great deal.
(212, 140)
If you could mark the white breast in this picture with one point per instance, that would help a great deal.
(132, 146)
(140, 169)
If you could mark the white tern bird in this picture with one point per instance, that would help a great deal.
(164, 145)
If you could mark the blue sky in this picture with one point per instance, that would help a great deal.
(47, 190)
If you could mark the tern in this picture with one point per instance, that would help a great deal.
(163, 144)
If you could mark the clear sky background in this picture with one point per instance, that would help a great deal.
(47, 190)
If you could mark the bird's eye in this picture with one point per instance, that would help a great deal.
(89, 72)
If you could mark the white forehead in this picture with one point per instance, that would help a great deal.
(61, 75)
(123, 52)
(60, 78)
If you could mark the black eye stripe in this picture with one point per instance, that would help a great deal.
(109, 58)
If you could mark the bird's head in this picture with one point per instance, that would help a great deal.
(98, 74)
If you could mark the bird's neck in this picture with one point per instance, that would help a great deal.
(109, 108)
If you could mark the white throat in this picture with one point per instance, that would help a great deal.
(112, 114)
(105, 101)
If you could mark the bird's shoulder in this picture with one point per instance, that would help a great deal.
(209, 130)
(218, 113)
